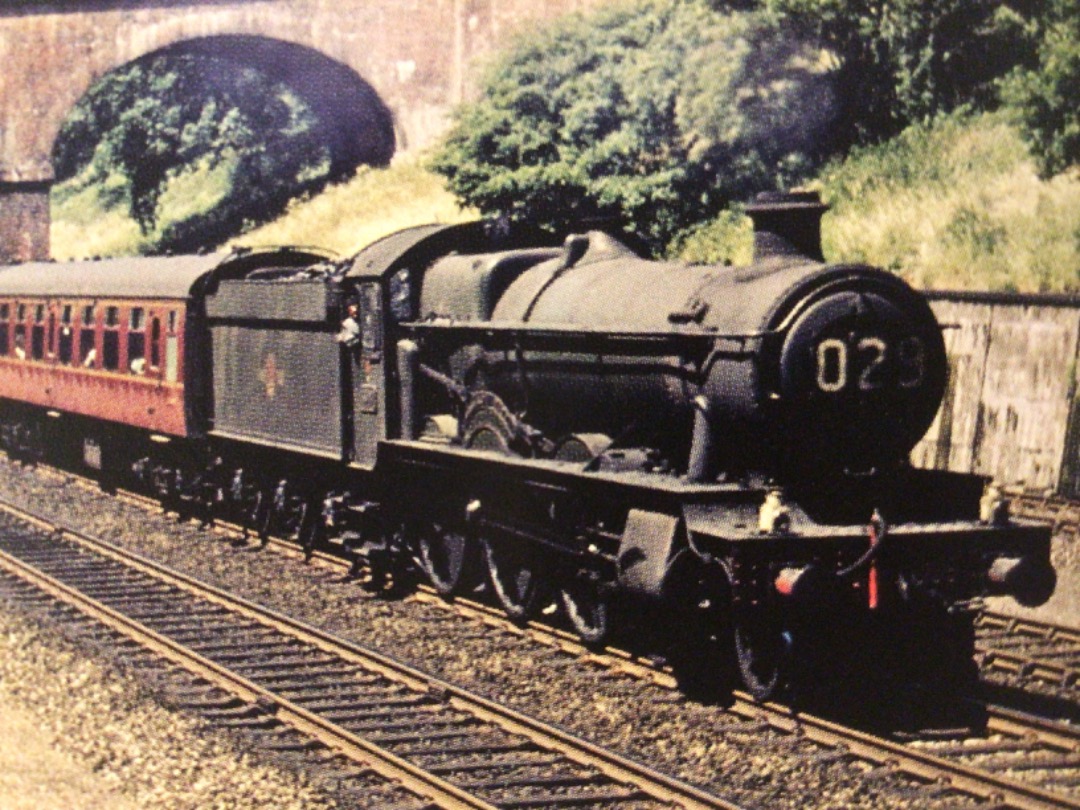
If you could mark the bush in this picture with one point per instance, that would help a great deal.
(907, 61)
(652, 115)
(956, 204)
(1047, 97)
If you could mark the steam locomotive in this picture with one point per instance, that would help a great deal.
(569, 426)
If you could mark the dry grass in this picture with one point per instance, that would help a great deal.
(957, 206)
(377, 202)
(89, 220)
(343, 218)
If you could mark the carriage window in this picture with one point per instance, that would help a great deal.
(110, 340)
(51, 336)
(65, 340)
(88, 316)
(37, 333)
(20, 340)
(172, 322)
(110, 350)
(137, 342)
(5, 314)
(155, 343)
(65, 343)
(86, 348)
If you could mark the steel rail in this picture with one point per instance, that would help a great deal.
(657, 786)
(356, 748)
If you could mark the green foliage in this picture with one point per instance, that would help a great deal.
(1047, 97)
(728, 239)
(906, 61)
(653, 114)
(163, 118)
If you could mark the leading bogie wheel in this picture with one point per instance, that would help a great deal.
(764, 652)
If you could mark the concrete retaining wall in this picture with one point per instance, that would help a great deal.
(1010, 409)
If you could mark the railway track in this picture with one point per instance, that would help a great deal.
(975, 768)
(449, 748)
(1063, 513)
(1029, 650)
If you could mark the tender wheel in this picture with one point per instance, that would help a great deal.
(763, 652)
(310, 530)
(513, 577)
(586, 608)
(262, 518)
(249, 518)
(443, 555)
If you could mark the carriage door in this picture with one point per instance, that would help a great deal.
(368, 384)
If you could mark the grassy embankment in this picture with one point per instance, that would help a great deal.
(955, 206)
(958, 205)
(343, 218)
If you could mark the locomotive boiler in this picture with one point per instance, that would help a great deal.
(789, 368)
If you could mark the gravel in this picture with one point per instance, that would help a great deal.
(153, 757)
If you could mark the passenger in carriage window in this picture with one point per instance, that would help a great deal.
(20, 346)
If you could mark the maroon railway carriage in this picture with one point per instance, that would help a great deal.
(100, 358)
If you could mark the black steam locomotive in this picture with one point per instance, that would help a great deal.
(689, 446)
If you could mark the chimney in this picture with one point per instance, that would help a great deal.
(787, 224)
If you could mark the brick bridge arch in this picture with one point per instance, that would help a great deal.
(406, 63)
(355, 122)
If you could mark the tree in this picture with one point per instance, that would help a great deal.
(653, 114)
(1046, 97)
(906, 61)
(165, 116)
